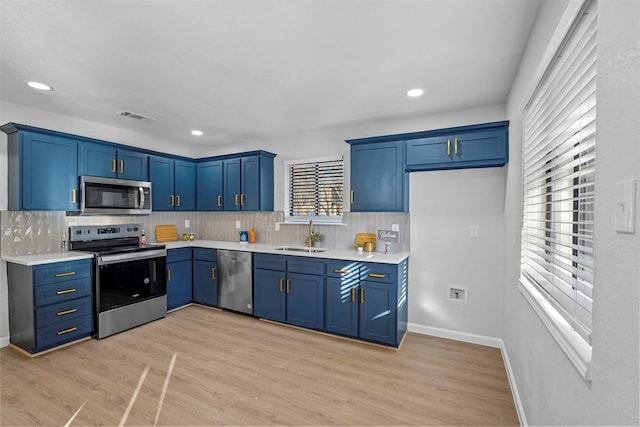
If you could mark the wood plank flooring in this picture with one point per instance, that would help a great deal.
(232, 369)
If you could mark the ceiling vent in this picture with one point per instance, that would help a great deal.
(136, 116)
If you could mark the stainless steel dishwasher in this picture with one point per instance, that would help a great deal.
(235, 284)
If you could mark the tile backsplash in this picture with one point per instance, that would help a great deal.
(32, 232)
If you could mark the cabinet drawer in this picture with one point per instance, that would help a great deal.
(342, 268)
(305, 266)
(205, 254)
(61, 271)
(174, 255)
(372, 272)
(63, 332)
(61, 292)
(270, 262)
(64, 311)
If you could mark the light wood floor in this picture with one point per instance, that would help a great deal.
(232, 369)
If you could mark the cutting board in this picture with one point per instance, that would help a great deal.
(366, 237)
(166, 233)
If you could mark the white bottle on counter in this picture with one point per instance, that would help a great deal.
(143, 240)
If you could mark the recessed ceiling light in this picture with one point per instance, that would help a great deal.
(197, 132)
(39, 86)
(414, 92)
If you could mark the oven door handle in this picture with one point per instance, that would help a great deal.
(133, 256)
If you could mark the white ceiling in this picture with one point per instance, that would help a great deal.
(239, 69)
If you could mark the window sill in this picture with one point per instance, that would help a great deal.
(572, 344)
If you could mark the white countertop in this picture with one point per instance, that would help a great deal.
(345, 254)
(46, 258)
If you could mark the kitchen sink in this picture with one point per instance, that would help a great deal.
(300, 249)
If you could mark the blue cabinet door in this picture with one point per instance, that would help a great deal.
(97, 160)
(378, 179)
(250, 183)
(179, 284)
(205, 282)
(305, 300)
(161, 174)
(232, 187)
(49, 173)
(480, 146)
(342, 305)
(269, 297)
(185, 186)
(378, 312)
(133, 165)
(209, 186)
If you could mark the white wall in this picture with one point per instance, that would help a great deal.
(443, 206)
(551, 390)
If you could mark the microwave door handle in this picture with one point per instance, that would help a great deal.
(141, 197)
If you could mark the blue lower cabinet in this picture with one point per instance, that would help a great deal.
(342, 305)
(50, 304)
(305, 300)
(283, 294)
(179, 278)
(378, 315)
(205, 282)
(269, 294)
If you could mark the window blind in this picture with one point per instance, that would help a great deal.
(315, 189)
(559, 177)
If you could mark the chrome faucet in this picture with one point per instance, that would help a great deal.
(309, 241)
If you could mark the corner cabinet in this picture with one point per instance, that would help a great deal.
(209, 186)
(379, 182)
(174, 184)
(50, 304)
(43, 170)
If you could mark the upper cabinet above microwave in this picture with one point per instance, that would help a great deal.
(43, 170)
(105, 160)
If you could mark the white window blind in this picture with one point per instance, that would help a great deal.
(559, 177)
(315, 189)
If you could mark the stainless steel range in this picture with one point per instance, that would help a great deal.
(129, 280)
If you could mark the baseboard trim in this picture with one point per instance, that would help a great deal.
(4, 341)
(481, 340)
(456, 335)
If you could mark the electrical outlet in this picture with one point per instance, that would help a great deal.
(473, 232)
(187, 223)
(237, 224)
(277, 226)
(395, 227)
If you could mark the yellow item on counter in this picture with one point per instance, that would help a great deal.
(252, 235)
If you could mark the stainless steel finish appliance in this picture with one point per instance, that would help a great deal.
(129, 281)
(110, 196)
(235, 283)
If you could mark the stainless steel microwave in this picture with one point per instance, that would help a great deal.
(110, 196)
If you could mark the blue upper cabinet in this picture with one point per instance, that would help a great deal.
(468, 147)
(96, 159)
(173, 184)
(248, 182)
(209, 186)
(379, 182)
(43, 170)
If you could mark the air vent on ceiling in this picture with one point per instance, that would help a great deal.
(136, 116)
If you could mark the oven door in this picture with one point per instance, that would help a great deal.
(128, 278)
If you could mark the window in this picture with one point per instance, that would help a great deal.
(558, 182)
(314, 190)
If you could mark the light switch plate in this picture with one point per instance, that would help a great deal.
(473, 232)
(187, 223)
(238, 224)
(395, 227)
(625, 215)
